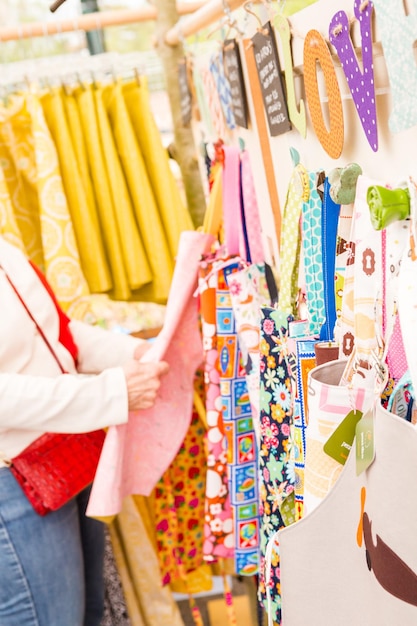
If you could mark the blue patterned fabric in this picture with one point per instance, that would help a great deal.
(239, 431)
(312, 257)
(223, 88)
(329, 224)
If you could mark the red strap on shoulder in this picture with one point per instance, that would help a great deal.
(65, 335)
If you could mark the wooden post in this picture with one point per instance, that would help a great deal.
(184, 145)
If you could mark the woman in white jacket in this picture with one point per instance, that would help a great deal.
(51, 566)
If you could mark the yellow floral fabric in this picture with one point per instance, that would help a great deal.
(18, 169)
(8, 223)
(83, 213)
(35, 159)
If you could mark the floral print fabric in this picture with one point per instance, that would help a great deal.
(277, 475)
(179, 507)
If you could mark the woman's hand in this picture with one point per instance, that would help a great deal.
(140, 349)
(143, 383)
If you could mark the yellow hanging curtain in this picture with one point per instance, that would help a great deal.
(135, 261)
(106, 213)
(8, 224)
(35, 159)
(62, 261)
(83, 213)
(143, 199)
(175, 216)
(19, 170)
(80, 148)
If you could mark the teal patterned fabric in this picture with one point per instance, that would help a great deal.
(312, 256)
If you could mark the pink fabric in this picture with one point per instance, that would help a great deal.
(233, 231)
(135, 455)
(394, 240)
(251, 211)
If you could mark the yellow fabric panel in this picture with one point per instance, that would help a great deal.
(175, 216)
(80, 148)
(106, 211)
(137, 562)
(18, 169)
(143, 199)
(134, 257)
(197, 581)
(8, 224)
(83, 215)
(213, 217)
(62, 261)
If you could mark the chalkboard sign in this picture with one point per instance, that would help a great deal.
(185, 93)
(269, 72)
(233, 71)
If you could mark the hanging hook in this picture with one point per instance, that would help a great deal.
(55, 5)
(261, 28)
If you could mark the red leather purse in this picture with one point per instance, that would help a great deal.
(55, 467)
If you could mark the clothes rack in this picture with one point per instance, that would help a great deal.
(90, 21)
(208, 13)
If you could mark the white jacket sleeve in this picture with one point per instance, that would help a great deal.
(66, 403)
(100, 349)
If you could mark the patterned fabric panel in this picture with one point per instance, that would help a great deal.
(277, 472)
(312, 257)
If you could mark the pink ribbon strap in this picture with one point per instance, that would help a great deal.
(251, 211)
(231, 202)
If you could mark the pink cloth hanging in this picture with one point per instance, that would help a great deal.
(135, 455)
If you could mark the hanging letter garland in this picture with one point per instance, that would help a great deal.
(361, 84)
(315, 49)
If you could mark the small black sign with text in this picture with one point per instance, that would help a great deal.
(234, 74)
(269, 72)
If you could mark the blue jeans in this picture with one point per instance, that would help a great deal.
(51, 568)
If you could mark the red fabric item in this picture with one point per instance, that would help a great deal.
(65, 335)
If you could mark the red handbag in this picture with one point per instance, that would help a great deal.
(55, 467)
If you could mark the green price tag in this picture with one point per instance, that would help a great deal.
(340, 441)
(365, 442)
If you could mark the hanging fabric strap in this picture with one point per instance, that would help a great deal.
(298, 193)
(312, 257)
(251, 211)
(329, 224)
(233, 230)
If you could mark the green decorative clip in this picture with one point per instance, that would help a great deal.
(387, 205)
(343, 182)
